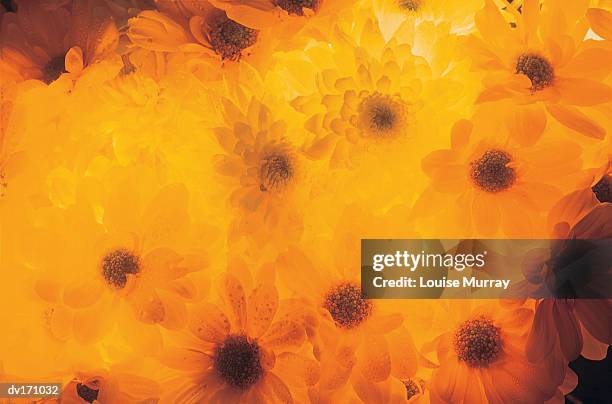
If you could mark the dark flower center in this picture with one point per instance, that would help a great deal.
(603, 189)
(9, 5)
(53, 69)
(412, 388)
(237, 361)
(116, 266)
(491, 172)
(347, 306)
(297, 6)
(382, 115)
(478, 342)
(382, 118)
(86, 393)
(274, 172)
(410, 5)
(229, 38)
(538, 69)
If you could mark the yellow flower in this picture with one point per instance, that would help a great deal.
(134, 245)
(481, 358)
(45, 39)
(544, 62)
(391, 14)
(371, 104)
(264, 169)
(247, 349)
(497, 186)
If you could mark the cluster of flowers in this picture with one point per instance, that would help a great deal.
(184, 185)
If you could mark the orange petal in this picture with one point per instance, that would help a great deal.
(375, 360)
(583, 92)
(485, 213)
(235, 298)
(74, 60)
(460, 134)
(209, 323)
(262, 306)
(185, 359)
(601, 22)
(297, 370)
(576, 120)
(527, 124)
(284, 334)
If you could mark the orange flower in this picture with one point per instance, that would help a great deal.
(109, 386)
(45, 39)
(545, 63)
(359, 342)
(245, 350)
(574, 322)
(496, 185)
(196, 33)
(481, 358)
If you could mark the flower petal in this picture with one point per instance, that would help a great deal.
(263, 303)
(209, 323)
(576, 120)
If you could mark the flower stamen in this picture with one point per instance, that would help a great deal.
(382, 116)
(53, 69)
(116, 266)
(274, 172)
(87, 394)
(229, 38)
(297, 7)
(238, 362)
(603, 189)
(478, 342)
(537, 68)
(347, 306)
(491, 172)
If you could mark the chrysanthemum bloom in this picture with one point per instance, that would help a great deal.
(391, 14)
(109, 386)
(544, 65)
(358, 341)
(264, 169)
(576, 273)
(45, 39)
(481, 358)
(245, 349)
(365, 96)
(134, 246)
(497, 186)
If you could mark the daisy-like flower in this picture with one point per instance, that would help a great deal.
(264, 168)
(497, 186)
(481, 358)
(196, 34)
(244, 349)
(115, 385)
(363, 351)
(293, 21)
(576, 320)
(134, 246)
(45, 39)
(543, 66)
